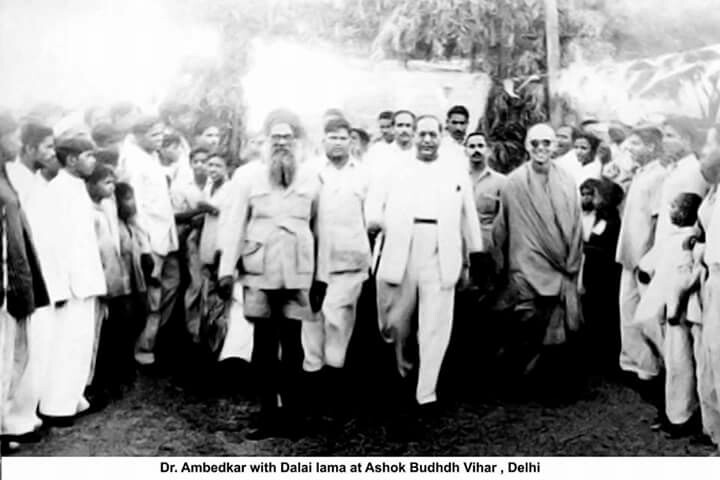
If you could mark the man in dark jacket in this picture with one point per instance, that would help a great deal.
(22, 289)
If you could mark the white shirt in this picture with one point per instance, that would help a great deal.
(155, 214)
(570, 163)
(209, 237)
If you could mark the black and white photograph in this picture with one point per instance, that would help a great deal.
(286, 229)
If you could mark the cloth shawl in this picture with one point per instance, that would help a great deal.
(541, 230)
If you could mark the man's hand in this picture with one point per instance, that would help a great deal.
(205, 207)
(481, 269)
(60, 303)
(225, 287)
(374, 228)
(147, 264)
(317, 295)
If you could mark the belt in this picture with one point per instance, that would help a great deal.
(425, 220)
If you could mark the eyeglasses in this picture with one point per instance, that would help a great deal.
(535, 143)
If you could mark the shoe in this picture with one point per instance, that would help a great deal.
(660, 422)
(30, 437)
(59, 422)
(8, 447)
(263, 432)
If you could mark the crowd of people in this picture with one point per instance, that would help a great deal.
(115, 226)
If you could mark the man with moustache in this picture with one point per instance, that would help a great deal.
(382, 155)
(540, 232)
(22, 293)
(456, 125)
(426, 216)
(269, 243)
(487, 186)
(37, 153)
(343, 262)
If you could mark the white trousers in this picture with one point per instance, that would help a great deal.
(709, 357)
(13, 360)
(70, 357)
(421, 289)
(239, 339)
(681, 348)
(21, 416)
(636, 355)
(325, 340)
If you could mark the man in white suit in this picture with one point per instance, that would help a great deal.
(426, 214)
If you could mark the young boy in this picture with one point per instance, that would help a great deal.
(103, 379)
(213, 317)
(128, 310)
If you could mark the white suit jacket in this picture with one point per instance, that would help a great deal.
(457, 221)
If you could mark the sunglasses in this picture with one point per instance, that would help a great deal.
(535, 143)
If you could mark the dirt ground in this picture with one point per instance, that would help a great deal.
(160, 419)
(204, 410)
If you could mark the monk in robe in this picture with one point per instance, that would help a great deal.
(540, 233)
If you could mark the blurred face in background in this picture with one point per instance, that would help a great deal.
(170, 154)
(675, 145)
(151, 141)
(404, 128)
(564, 141)
(216, 169)
(457, 124)
(386, 129)
(198, 164)
(583, 150)
(209, 138)
(10, 144)
(710, 156)
(639, 151)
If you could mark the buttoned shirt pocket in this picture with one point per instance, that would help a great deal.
(488, 206)
(300, 205)
(253, 257)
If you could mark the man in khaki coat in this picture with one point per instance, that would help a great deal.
(269, 242)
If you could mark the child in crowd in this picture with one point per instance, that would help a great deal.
(601, 274)
(214, 309)
(587, 196)
(128, 310)
(103, 379)
(665, 302)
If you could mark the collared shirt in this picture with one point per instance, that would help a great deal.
(155, 215)
(487, 188)
(186, 194)
(588, 222)
(641, 206)
(343, 245)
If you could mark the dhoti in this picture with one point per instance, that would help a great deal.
(420, 288)
(73, 335)
(13, 359)
(325, 340)
(239, 339)
(20, 414)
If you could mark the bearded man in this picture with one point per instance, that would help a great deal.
(269, 243)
